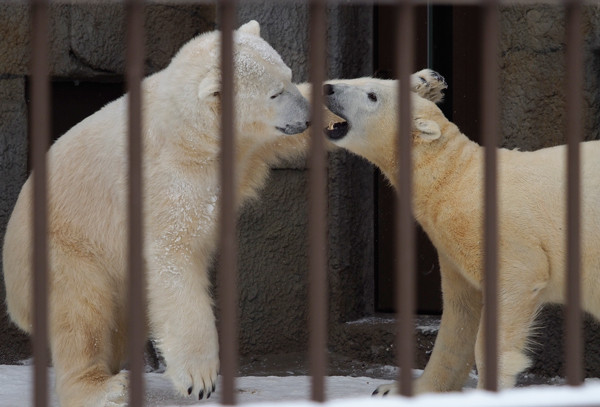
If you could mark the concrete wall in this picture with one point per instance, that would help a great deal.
(13, 171)
(273, 239)
(533, 72)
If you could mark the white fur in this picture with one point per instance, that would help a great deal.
(87, 218)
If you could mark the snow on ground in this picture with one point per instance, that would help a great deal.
(342, 391)
(16, 384)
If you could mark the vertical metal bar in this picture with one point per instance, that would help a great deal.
(574, 82)
(430, 34)
(317, 205)
(405, 230)
(40, 135)
(227, 236)
(136, 286)
(490, 140)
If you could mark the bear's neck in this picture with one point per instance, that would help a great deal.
(447, 178)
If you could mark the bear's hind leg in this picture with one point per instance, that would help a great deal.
(518, 305)
(93, 387)
(83, 322)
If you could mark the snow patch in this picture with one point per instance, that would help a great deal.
(371, 321)
(294, 391)
(428, 328)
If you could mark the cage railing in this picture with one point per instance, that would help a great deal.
(40, 131)
(227, 281)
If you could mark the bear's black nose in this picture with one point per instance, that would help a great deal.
(327, 89)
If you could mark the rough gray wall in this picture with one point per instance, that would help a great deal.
(273, 263)
(13, 171)
(548, 347)
(533, 71)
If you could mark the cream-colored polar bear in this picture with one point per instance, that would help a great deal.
(448, 203)
(88, 228)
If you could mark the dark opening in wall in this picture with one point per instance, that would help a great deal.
(447, 41)
(74, 100)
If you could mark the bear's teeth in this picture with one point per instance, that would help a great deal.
(330, 127)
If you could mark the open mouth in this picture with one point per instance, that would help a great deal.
(336, 130)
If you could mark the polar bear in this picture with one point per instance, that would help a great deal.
(448, 203)
(87, 218)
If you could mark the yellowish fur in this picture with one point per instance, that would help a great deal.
(448, 203)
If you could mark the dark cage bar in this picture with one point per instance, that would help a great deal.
(40, 131)
(317, 206)
(227, 279)
(227, 273)
(490, 124)
(136, 285)
(574, 99)
(405, 230)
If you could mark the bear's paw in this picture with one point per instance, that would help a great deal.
(196, 376)
(429, 85)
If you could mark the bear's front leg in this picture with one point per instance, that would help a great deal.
(183, 324)
(453, 353)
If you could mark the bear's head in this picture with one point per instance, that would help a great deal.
(369, 109)
(267, 103)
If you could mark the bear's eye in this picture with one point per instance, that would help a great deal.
(372, 97)
(276, 95)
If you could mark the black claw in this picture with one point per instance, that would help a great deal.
(214, 387)
(190, 391)
(386, 393)
(201, 395)
(208, 396)
(376, 392)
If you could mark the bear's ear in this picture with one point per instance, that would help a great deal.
(427, 130)
(251, 27)
(209, 87)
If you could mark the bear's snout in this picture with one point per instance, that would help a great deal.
(294, 128)
(328, 89)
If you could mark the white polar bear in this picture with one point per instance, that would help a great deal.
(448, 203)
(87, 218)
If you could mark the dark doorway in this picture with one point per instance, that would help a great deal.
(448, 41)
(74, 100)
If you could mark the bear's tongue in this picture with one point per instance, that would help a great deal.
(336, 131)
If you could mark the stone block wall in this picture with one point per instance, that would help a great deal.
(532, 47)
